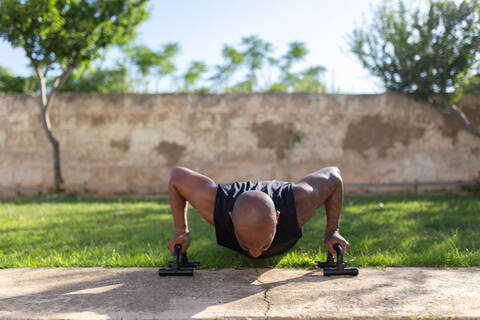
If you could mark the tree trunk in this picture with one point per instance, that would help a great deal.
(46, 101)
(453, 109)
(45, 120)
(44, 117)
(464, 120)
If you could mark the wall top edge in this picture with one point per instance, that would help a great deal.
(203, 94)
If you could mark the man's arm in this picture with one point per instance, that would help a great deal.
(187, 186)
(324, 187)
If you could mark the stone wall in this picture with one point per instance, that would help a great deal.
(129, 142)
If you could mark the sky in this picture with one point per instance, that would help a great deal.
(203, 27)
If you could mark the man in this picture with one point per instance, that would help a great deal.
(257, 219)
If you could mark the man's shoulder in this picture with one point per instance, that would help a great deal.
(302, 189)
(302, 192)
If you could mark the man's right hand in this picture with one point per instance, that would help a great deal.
(182, 239)
(334, 237)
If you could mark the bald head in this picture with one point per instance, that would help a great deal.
(254, 219)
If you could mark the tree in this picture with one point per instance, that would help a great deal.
(148, 60)
(307, 80)
(9, 83)
(129, 74)
(194, 72)
(255, 55)
(296, 52)
(473, 85)
(233, 60)
(60, 35)
(430, 54)
(255, 58)
(95, 79)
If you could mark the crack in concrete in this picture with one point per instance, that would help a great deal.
(265, 298)
(266, 288)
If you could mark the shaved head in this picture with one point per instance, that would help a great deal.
(254, 219)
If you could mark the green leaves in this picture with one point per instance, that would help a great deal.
(159, 61)
(16, 84)
(253, 55)
(68, 32)
(113, 80)
(255, 62)
(194, 72)
(421, 52)
(309, 80)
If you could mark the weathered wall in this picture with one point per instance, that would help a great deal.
(121, 143)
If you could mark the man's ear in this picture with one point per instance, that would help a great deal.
(231, 216)
(277, 216)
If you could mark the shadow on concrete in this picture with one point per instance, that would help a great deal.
(139, 293)
(135, 293)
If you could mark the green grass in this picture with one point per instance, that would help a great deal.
(406, 231)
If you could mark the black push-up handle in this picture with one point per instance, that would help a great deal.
(332, 268)
(179, 266)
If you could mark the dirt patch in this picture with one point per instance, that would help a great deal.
(98, 120)
(377, 133)
(122, 144)
(273, 136)
(171, 151)
(451, 127)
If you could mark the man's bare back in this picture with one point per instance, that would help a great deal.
(323, 187)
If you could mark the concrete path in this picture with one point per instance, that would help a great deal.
(138, 293)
